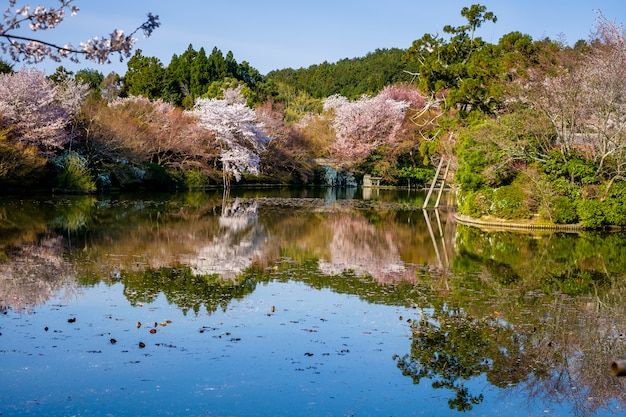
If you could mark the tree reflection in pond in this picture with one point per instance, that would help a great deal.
(559, 296)
(238, 244)
(33, 272)
(536, 316)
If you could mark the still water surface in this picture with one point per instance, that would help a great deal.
(299, 303)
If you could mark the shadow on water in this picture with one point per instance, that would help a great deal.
(491, 318)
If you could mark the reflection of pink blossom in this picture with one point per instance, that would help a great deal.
(33, 274)
(360, 247)
(239, 243)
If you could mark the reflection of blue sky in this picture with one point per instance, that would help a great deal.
(319, 353)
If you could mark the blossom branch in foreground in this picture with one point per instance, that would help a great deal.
(31, 50)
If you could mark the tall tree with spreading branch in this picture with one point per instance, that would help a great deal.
(239, 136)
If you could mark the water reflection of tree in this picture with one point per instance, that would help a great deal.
(450, 348)
(359, 246)
(239, 242)
(33, 272)
(184, 288)
(562, 299)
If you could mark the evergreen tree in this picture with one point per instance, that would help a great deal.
(178, 79)
(202, 74)
(217, 65)
(144, 77)
(465, 67)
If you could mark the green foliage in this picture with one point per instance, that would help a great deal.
(509, 202)
(591, 214)
(615, 211)
(60, 75)
(572, 168)
(216, 89)
(91, 77)
(297, 104)
(195, 179)
(617, 190)
(350, 78)
(193, 74)
(415, 175)
(581, 171)
(468, 176)
(5, 67)
(74, 174)
(476, 203)
(144, 77)
(465, 67)
(563, 210)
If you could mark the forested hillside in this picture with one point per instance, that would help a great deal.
(350, 78)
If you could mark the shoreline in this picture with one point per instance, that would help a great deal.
(516, 225)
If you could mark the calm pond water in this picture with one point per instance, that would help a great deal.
(301, 303)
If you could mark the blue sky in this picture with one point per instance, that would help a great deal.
(276, 34)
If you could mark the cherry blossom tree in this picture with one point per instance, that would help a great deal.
(587, 104)
(38, 111)
(24, 47)
(237, 133)
(365, 124)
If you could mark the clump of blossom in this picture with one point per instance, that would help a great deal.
(38, 111)
(239, 136)
(365, 124)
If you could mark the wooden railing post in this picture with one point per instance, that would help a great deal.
(432, 186)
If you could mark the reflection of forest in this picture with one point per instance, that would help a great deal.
(111, 238)
(537, 314)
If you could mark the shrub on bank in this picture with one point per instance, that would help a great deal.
(510, 202)
(563, 211)
(74, 174)
(590, 214)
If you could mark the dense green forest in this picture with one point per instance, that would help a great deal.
(533, 128)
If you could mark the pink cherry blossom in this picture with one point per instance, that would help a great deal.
(38, 111)
(365, 124)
